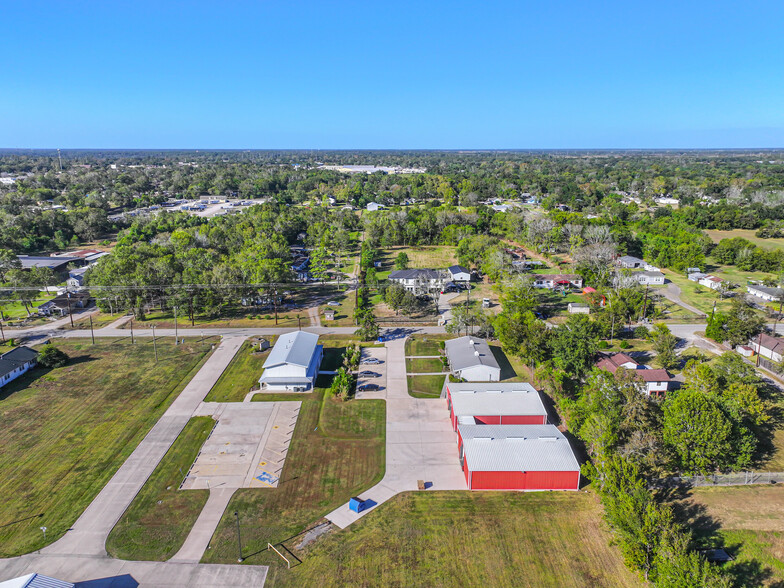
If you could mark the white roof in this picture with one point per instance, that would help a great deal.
(517, 448)
(295, 348)
(35, 581)
(467, 352)
(515, 398)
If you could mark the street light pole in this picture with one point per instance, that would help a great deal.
(239, 538)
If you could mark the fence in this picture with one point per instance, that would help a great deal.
(736, 479)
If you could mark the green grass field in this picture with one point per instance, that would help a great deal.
(425, 344)
(467, 539)
(747, 521)
(100, 320)
(242, 373)
(159, 519)
(66, 431)
(344, 313)
(425, 386)
(337, 452)
(424, 365)
(747, 234)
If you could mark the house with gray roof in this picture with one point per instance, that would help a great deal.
(293, 363)
(16, 362)
(471, 359)
(766, 293)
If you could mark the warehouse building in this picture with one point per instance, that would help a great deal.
(517, 457)
(514, 403)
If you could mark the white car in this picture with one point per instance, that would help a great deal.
(333, 303)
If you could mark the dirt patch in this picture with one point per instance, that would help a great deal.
(312, 535)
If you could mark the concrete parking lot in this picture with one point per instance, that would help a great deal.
(379, 353)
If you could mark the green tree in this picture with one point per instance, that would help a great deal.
(697, 431)
(401, 261)
(394, 296)
(52, 357)
(574, 345)
(677, 566)
(664, 343)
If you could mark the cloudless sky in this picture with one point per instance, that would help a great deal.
(427, 74)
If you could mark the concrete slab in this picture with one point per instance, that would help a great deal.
(199, 538)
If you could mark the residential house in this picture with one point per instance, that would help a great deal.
(655, 381)
(457, 273)
(76, 277)
(767, 346)
(696, 276)
(578, 308)
(419, 281)
(293, 363)
(16, 362)
(65, 303)
(667, 201)
(373, 206)
(552, 281)
(471, 359)
(766, 293)
(647, 278)
(712, 282)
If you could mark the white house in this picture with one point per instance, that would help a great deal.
(457, 273)
(578, 308)
(766, 293)
(654, 381)
(647, 278)
(551, 281)
(767, 346)
(667, 201)
(712, 282)
(471, 359)
(293, 363)
(419, 281)
(373, 206)
(696, 276)
(16, 362)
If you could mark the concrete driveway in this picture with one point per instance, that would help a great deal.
(379, 353)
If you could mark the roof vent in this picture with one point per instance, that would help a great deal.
(476, 353)
(471, 342)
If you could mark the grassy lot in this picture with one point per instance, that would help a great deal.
(430, 256)
(425, 386)
(425, 344)
(467, 539)
(747, 234)
(747, 521)
(100, 320)
(698, 296)
(228, 319)
(66, 431)
(512, 368)
(331, 459)
(422, 365)
(344, 314)
(159, 519)
(242, 373)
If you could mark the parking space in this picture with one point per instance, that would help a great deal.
(372, 372)
(247, 448)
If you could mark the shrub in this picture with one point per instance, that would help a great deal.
(603, 345)
(624, 345)
(442, 345)
(641, 332)
(51, 357)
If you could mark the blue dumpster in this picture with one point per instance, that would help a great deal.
(356, 504)
(380, 338)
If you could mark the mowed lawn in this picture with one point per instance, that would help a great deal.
(748, 521)
(466, 539)
(425, 386)
(242, 373)
(160, 517)
(66, 431)
(425, 344)
(337, 452)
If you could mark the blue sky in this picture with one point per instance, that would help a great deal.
(424, 74)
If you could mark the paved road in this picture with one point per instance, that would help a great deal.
(672, 292)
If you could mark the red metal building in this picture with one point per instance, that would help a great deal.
(513, 403)
(517, 457)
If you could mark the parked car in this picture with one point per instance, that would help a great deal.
(333, 303)
(367, 387)
(369, 374)
(371, 361)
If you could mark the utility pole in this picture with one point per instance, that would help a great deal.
(131, 322)
(92, 333)
(299, 323)
(645, 304)
(175, 326)
(1, 330)
(155, 345)
(239, 538)
(68, 295)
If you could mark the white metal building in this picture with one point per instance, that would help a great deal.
(471, 359)
(293, 363)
